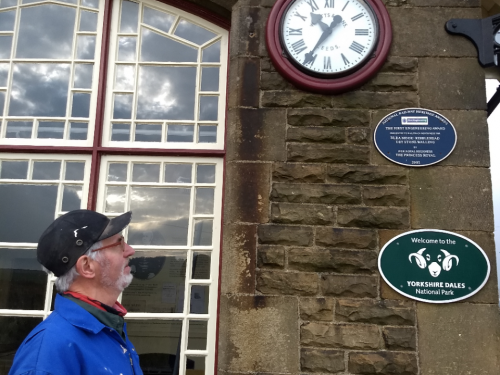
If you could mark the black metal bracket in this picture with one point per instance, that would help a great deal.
(494, 101)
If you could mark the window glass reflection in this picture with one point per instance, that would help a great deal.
(26, 206)
(159, 280)
(83, 76)
(123, 106)
(74, 171)
(115, 199)
(19, 129)
(7, 19)
(203, 232)
(126, 48)
(85, 47)
(16, 170)
(120, 132)
(129, 17)
(209, 79)
(197, 336)
(168, 227)
(180, 133)
(88, 21)
(4, 72)
(72, 197)
(125, 78)
(156, 47)
(30, 85)
(195, 365)
(178, 173)
(208, 108)
(198, 303)
(204, 201)
(5, 46)
(7, 3)
(211, 53)
(90, 3)
(78, 131)
(207, 134)
(145, 172)
(148, 133)
(158, 19)
(201, 265)
(81, 105)
(193, 33)
(50, 130)
(56, 40)
(205, 174)
(117, 172)
(46, 170)
(2, 102)
(166, 93)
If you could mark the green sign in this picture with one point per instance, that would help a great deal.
(435, 266)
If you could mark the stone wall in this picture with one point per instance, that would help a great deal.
(309, 202)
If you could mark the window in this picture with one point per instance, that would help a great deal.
(114, 106)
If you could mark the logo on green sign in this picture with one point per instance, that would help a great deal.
(435, 266)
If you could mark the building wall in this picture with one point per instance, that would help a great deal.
(309, 202)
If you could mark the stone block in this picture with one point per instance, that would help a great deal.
(400, 338)
(273, 81)
(395, 3)
(451, 83)
(461, 335)
(383, 363)
(316, 193)
(376, 100)
(294, 99)
(316, 309)
(420, 32)
(247, 190)
(316, 135)
(244, 76)
(322, 360)
(328, 260)
(270, 256)
(256, 134)
(360, 136)
(248, 25)
(392, 82)
(374, 217)
(258, 334)
(325, 153)
(238, 259)
(346, 238)
(307, 214)
(285, 235)
(346, 336)
(384, 312)
(287, 283)
(298, 172)
(386, 195)
(349, 286)
(367, 174)
(451, 198)
(396, 64)
(328, 117)
(446, 3)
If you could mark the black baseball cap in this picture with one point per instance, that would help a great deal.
(72, 234)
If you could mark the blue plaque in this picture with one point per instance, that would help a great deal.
(415, 137)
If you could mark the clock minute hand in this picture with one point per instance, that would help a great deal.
(309, 56)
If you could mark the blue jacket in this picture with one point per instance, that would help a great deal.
(71, 341)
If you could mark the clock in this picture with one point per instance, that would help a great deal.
(328, 46)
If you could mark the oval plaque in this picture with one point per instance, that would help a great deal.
(415, 137)
(435, 266)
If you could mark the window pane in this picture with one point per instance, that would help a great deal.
(156, 47)
(91, 3)
(2, 102)
(210, 79)
(211, 53)
(56, 40)
(88, 21)
(158, 19)
(204, 201)
(180, 133)
(166, 93)
(195, 365)
(205, 174)
(26, 206)
(197, 336)
(30, 85)
(193, 33)
(7, 20)
(117, 172)
(85, 47)
(203, 232)
(148, 133)
(123, 106)
(83, 76)
(19, 129)
(74, 171)
(207, 134)
(46, 170)
(78, 131)
(81, 105)
(16, 170)
(146, 172)
(4, 72)
(159, 280)
(115, 199)
(7, 3)
(50, 129)
(178, 173)
(125, 78)
(126, 48)
(198, 303)
(72, 197)
(169, 227)
(120, 132)
(129, 17)
(201, 265)
(208, 108)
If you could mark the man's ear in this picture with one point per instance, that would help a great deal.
(85, 267)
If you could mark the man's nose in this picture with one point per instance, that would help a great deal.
(128, 250)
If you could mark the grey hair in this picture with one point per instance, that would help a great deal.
(64, 282)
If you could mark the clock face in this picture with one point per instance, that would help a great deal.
(328, 37)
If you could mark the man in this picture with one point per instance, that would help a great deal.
(86, 333)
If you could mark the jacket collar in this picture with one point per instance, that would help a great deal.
(76, 315)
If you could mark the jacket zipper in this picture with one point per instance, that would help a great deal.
(131, 362)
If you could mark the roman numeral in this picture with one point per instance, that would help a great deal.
(344, 59)
(327, 62)
(345, 6)
(294, 31)
(313, 5)
(297, 14)
(361, 32)
(299, 46)
(357, 17)
(356, 47)
(329, 4)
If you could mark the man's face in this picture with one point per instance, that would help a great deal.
(113, 263)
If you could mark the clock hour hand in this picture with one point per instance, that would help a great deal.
(309, 56)
(316, 19)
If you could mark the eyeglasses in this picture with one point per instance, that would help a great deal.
(119, 242)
